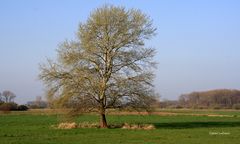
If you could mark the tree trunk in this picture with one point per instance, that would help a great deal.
(103, 121)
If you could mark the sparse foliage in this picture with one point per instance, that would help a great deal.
(108, 66)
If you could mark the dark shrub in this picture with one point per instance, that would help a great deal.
(8, 107)
(1, 102)
(216, 107)
(236, 106)
(22, 108)
(34, 107)
(179, 107)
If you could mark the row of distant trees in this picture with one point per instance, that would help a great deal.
(38, 103)
(221, 98)
(7, 102)
(216, 99)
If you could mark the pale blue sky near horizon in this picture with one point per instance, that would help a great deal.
(197, 42)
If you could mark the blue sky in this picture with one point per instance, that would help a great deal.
(198, 42)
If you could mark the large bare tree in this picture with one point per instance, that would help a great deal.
(107, 66)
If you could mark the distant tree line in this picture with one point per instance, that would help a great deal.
(213, 99)
(7, 102)
(37, 104)
(221, 98)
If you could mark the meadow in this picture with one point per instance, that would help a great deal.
(172, 127)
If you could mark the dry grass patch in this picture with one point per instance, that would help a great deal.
(73, 125)
(67, 125)
(217, 115)
(138, 126)
(88, 125)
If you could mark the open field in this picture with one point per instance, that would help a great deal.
(172, 127)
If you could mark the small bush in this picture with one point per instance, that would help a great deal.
(179, 107)
(1, 102)
(22, 108)
(236, 106)
(216, 107)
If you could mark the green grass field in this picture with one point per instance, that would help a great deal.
(35, 128)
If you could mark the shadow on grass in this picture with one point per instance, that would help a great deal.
(184, 125)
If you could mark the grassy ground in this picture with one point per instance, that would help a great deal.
(35, 127)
